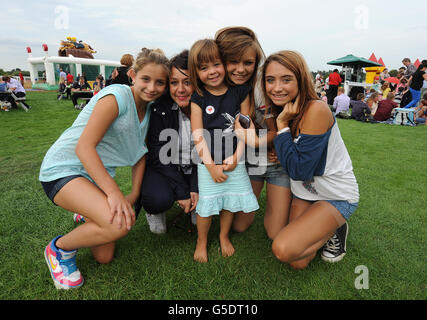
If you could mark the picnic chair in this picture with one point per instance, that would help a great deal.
(21, 102)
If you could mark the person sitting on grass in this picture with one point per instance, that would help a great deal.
(341, 102)
(385, 107)
(372, 102)
(421, 114)
(360, 110)
(385, 89)
(77, 172)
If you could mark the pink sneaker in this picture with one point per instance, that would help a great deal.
(62, 267)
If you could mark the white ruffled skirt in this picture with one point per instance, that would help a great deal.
(234, 195)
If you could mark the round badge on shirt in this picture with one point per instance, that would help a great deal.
(210, 109)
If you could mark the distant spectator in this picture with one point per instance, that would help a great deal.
(334, 82)
(318, 85)
(372, 102)
(76, 91)
(371, 91)
(98, 85)
(62, 74)
(399, 95)
(62, 89)
(17, 89)
(383, 75)
(120, 74)
(341, 102)
(416, 83)
(70, 78)
(360, 110)
(377, 85)
(403, 83)
(385, 107)
(385, 89)
(410, 67)
(421, 111)
(323, 96)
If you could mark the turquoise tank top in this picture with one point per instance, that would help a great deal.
(122, 145)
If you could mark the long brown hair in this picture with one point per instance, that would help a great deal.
(294, 62)
(232, 43)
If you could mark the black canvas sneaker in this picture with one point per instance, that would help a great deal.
(335, 248)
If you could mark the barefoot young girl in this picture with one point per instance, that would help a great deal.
(224, 186)
(77, 171)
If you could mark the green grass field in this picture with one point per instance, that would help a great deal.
(387, 232)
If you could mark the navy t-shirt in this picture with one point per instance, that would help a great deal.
(219, 113)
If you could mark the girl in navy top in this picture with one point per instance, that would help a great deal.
(224, 186)
(310, 148)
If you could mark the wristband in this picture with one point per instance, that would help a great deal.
(286, 129)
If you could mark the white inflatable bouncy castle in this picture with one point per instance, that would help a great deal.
(76, 66)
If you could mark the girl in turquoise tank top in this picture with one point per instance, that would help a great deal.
(78, 170)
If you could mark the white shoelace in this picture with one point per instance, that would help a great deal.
(333, 244)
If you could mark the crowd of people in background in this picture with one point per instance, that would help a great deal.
(377, 102)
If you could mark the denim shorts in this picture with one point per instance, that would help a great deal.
(51, 188)
(274, 174)
(344, 207)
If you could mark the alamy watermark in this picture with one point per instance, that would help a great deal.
(361, 21)
(62, 20)
(362, 280)
(178, 153)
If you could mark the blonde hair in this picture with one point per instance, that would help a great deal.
(295, 63)
(202, 51)
(233, 43)
(147, 56)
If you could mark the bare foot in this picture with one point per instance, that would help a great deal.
(227, 248)
(201, 252)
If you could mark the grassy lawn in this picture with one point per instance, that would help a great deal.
(387, 232)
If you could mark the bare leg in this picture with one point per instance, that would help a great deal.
(104, 253)
(277, 211)
(80, 195)
(203, 226)
(241, 220)
(310, 226)
(225, 220)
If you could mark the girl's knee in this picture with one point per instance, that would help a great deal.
(299, 264)
(284, 251)
(242, 222)
(104, 258)
(104, 254)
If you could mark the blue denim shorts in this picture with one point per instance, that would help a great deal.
(274, 174)
(344, 207)
(51, 188)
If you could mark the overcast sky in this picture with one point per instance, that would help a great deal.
(320, 30)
